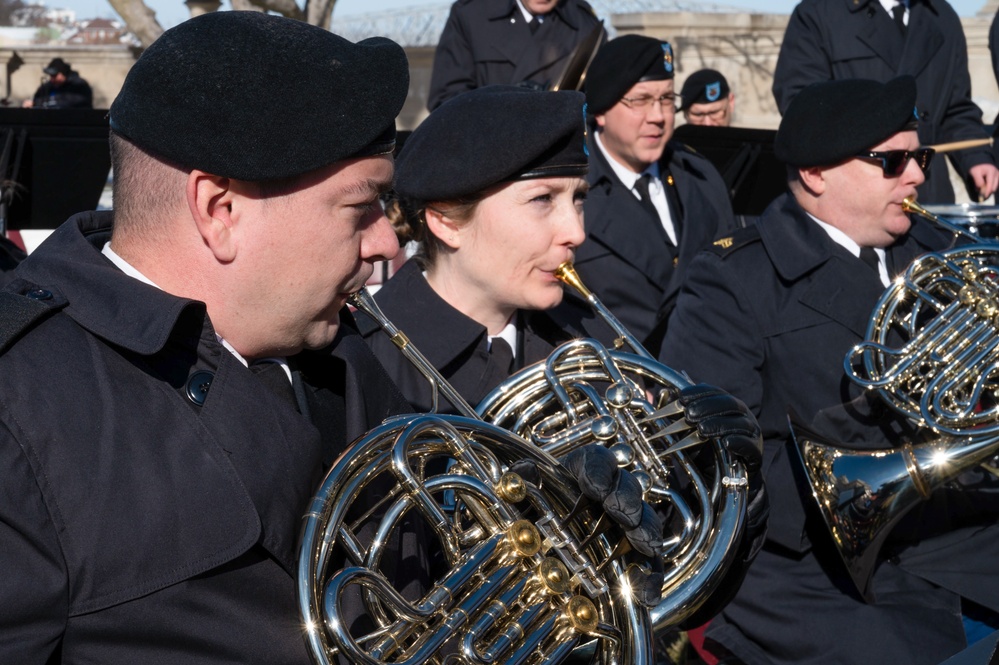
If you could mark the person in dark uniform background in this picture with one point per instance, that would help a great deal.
(769, 314)
(880, 40)
(507, 42)
(653, 202)
(176, 382)
(65, 89)
(706, 99)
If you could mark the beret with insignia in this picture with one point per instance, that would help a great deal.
(703, 87)
(623, 62)
(831, 121)
(252, 96)
(490, 135)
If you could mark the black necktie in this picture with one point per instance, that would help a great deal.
(534, 24)
(642, 187)
(898, 13)
(501, 354)
(870, 257)
(272, 375)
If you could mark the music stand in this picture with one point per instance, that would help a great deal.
(745, 159)
(53, 164)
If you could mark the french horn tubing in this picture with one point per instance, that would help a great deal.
(931, 353)
(625, 400)
(517, 580)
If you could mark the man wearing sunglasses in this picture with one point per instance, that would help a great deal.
(769, 314)
(653, 203)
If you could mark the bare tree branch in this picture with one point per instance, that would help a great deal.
(140, 19)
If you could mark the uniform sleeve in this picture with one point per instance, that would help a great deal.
(454, 65)
(711, 333)
(963, 118)
(33, 585)
(803, 59)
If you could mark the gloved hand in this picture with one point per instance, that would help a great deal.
(600, 479)
(718, 415)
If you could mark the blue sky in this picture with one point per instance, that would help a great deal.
(171, 12)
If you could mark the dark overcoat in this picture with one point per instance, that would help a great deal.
(770, 315)
(10, 256)
(841, 39)
(458, 346)
(487, 42)
(627, 260)
(153, 487)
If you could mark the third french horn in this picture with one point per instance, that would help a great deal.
(931, 353)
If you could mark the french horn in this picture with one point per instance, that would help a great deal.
(931, 353)
(625, 400)
(524, 578)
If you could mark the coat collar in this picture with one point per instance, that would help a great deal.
(70, 264)
(502, 9)
(408, 296)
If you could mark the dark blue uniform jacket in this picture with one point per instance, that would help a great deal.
(770, 315)
(627, 260)
(153, 488)
(487, 42)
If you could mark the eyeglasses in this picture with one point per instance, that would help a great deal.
(667, 102)
(714, 115)
(893, 162)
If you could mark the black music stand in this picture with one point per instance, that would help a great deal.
(53, 163)
(745, 158)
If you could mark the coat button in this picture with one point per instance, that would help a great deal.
(198, 385)
(39, 294)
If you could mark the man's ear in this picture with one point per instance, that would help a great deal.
(209, 198)
(814, 179)
(443, 227)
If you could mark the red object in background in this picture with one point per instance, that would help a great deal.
(15, 237)
(697, 641)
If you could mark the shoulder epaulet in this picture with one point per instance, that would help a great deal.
(685, 147)
(21, 311)
(728, 244)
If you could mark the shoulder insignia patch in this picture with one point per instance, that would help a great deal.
(729, 244)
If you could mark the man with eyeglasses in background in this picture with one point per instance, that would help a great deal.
(653, 203)
(706, 99)
(769, 314)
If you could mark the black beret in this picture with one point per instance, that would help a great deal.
(489, 135)
(703, 87)
(57, 66)
(623, 62)
(251, 96)
(831, 121)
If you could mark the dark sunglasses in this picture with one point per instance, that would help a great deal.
(893, 162)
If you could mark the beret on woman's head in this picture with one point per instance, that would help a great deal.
(491, 135)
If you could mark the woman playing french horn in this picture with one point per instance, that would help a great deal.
(491, 186)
